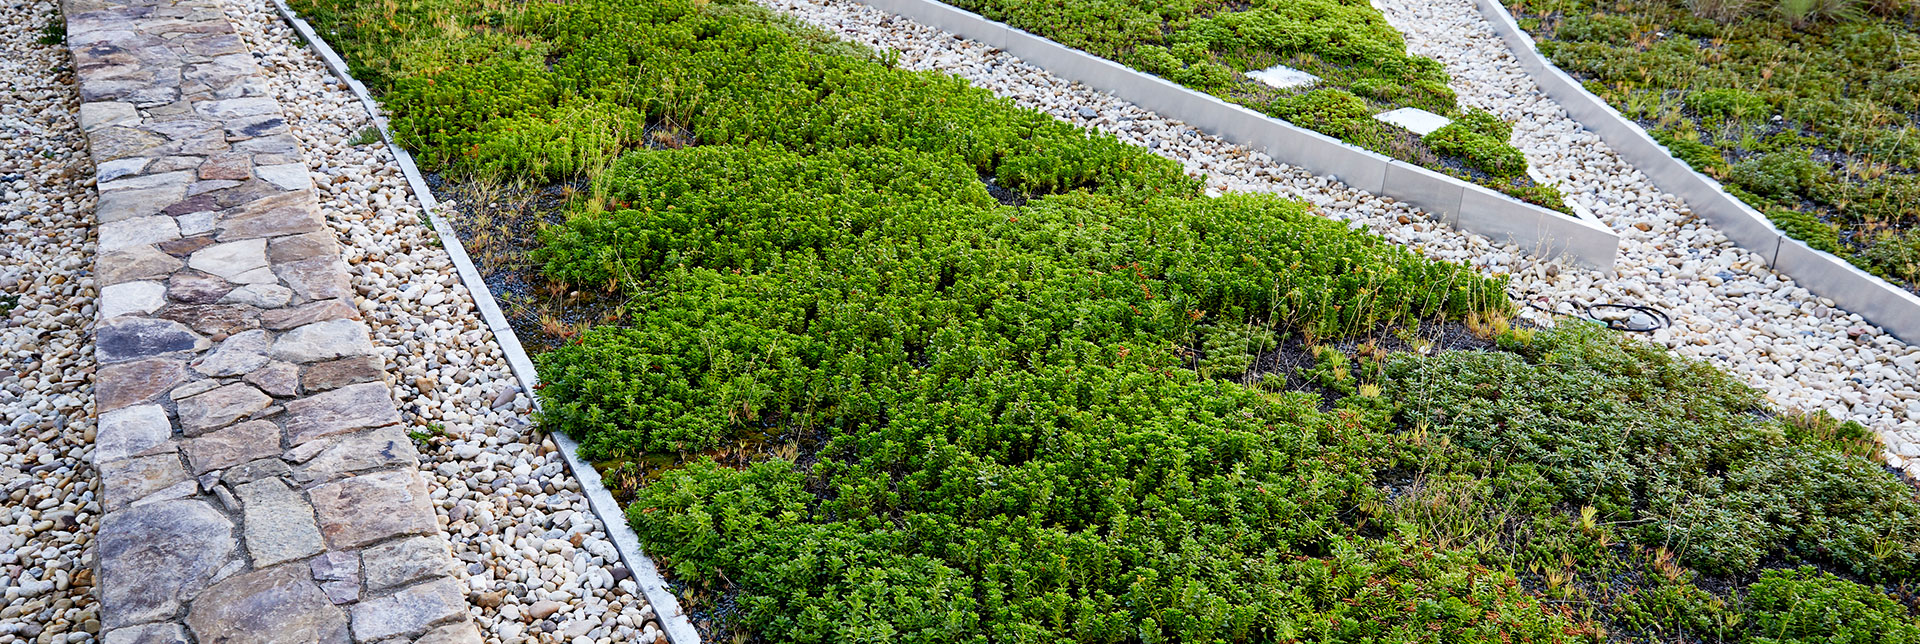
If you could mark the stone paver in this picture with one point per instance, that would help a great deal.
(249, 446)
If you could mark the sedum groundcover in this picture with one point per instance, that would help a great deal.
(1361, 63)
(1013, 382)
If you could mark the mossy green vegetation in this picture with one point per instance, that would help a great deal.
(1114, 411)
(1362, 63)
(1808, 110)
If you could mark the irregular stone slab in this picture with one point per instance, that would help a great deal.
(232, 166)
(255, 470)
(241, 353)
(336, 565)
(132, 298)
(179, 490)
(118, 168)
(409, 611)
(319, 278)
(196, 223)
(99, 114)
(382, 447)
(269, 150)
(130, 338)
(340, 373)
(137, 263)
(212, 319)
(339, 411)
(137, 231)
(128, 432)
(339, 575)
(278, 522)
(189, 137)
(140, 196)
(256, 126)
(368, 508)
(239, 107)
(327, 340)
(148, 634)
(289, 176)
(132, 383)
(204, 220)
(120, 142)
(194, 287)
(157, 556)
(278, 379)
(240, 262)
(220, 407)
(184, 246)
(127, 480)
(461, 633)
(400, 562)
(290, 213)
(298, 247)
(278, 605)
(234, 445)
(309, 313)
(266, 296)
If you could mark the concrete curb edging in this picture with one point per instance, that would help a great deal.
(666, 606)
(1542, 232)
(1887, 305)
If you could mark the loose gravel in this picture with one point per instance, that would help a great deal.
(1727, 307)
(47, 482)
(536, 560)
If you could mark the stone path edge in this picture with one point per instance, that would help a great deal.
(666, 605)
(240, 400)
(1540, 231)
(1887, 305)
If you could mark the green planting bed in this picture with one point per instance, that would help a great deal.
(894, 361)
(1361, 62)
(1807, 111)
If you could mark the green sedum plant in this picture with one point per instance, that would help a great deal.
(1362, 63)
(1807, 606)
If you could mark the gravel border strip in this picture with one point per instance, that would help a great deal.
(1543, 232)
(665, 604)
(1891, 307)
(49, 490)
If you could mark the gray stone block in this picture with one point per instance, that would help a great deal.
(220, 407)
(279, 605)
(128, 432)
(411, 611)
(325, 340)
(338, 411)
(369, 508)
(278, 522)
(234, 445)
(401, 562)
(154, 557)
(129, 338)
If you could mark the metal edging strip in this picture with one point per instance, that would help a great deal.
(666, 606)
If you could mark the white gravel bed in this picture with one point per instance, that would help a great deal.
(1727, 306)
(47, 481)
(536, 560)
